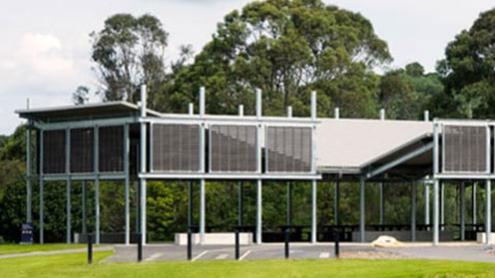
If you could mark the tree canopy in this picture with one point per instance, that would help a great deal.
(128, 52)
(468, 71)
(287, 48)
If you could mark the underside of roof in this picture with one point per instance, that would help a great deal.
(112, 109)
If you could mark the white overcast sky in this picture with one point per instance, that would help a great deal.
(45, 48)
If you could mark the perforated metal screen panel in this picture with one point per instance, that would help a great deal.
(289, 149)
(175, 147)
(465, 148)
(233, 148)
(54, 151)
(82, 150)
(111, 149)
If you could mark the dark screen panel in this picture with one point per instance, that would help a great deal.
(289, 149)
(54, 151)
(465, 148)
(82, 150)
(233, 148)
(111, 149)
(176, 147)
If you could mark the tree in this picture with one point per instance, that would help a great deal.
(81, 95)
(287, 48)
(468, 71)
(406, 93)
(128, 52)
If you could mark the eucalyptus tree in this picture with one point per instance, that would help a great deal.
(127, 52)
(287, 48)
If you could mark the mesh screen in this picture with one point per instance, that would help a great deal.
(176, 147)
(465, 148)
(81, 150)
(289, 149)
(233, 148)
(111, 149)
(54, 151)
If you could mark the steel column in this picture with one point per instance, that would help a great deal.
(202, 211)
(259, 210)
(427, 204)
(68, 185)
(462, 210)
(473, 200)
(413, 211)
(143, 164)
(314, 226)
(435, 213)
(126, 186)
(29, 186)
(42, 237)
(97, 183)
(488, 212)
(83, 209)
(442, 204)
(381, 203)
(362, 211)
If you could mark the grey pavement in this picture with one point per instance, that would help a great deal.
(54, 252)
(274, 251)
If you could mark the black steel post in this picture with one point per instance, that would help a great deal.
(140, 230)
(189, 222)
(289, 220)
(140, 248)
(239, 224)
(337, 219)
(90, 248)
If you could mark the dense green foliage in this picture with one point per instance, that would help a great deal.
(286, 48)
(73, 265)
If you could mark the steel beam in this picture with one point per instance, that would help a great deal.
(473, 202)
(427, 203)
(42, 237)
(29, 186)
(68, 185)
(97, 183)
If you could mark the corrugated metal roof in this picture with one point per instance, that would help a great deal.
(347, 145)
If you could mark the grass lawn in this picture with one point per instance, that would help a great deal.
(17, 248)
(73, 265)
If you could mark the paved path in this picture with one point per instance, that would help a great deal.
(170, 252)
(54, 252)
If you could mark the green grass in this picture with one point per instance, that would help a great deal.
(18, 248)
(73, 265)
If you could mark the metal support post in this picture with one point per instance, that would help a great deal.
(189, 222)
(202, 211)
(337, 220)
(83, 209)
(68, 186)
(288, 220)
(473, 202)
(381, 203)
(97, 184)
(442, 205)
(427, 204)
(41, 181)
(413, 212)
(436, 212)
(362, 210)
(314, 224)
(143, 164)
(29, 186)
(462, 210)
(488, 212)
(127, 213)
(259, 209)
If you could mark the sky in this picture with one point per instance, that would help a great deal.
(45, 47)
